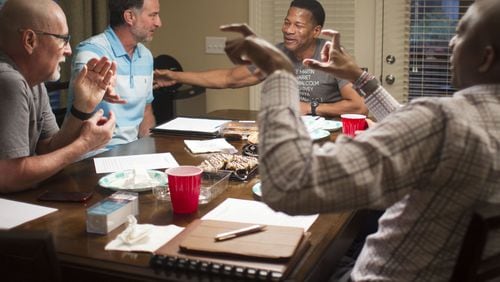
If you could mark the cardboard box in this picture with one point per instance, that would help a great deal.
(108, 214)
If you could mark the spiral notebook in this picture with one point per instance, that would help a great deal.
(267, 255)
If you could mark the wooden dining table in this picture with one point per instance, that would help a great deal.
(82, 256)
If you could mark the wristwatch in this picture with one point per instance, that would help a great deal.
(314, 105)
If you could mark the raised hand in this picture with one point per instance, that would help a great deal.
(335, 60)
(251, 49)
(110, 95)
(92, 82)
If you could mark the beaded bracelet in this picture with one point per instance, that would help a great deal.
(80, 115)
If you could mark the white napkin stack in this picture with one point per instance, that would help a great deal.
(210, 146)
(139, 178)
(142, 237)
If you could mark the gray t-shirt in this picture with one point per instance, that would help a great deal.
(25, 113)
(315, 83)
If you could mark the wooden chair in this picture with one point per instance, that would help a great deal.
(28, 256)
(470, 264)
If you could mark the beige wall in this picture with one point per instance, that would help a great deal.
(186, 23)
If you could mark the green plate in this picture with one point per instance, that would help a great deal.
(257, 191)
(117, 180)
(319, 134)
(330, 125)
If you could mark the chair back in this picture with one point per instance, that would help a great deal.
(472, 265)
(28, 256)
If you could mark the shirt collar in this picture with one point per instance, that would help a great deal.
(117, 46)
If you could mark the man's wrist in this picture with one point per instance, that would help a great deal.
(79, 114)
(314, 105)
(370, 86)
(366, 84)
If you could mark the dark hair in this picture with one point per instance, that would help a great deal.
(118, 7)
(312, 6)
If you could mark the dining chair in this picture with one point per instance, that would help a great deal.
(164, 103)
(56, 88)
(471, 264)
(28, 256)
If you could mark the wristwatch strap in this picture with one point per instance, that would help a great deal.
(79, 114)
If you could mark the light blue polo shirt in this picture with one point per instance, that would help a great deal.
(134, 81)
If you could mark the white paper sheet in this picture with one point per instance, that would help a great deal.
(210, 146)
(146, 161)
(193, 124)
(246, 211)
(13, 213)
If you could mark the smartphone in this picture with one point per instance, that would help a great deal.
(65, 196)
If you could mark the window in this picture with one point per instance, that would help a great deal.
(433, 24)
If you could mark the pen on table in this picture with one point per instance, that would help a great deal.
(239, 232)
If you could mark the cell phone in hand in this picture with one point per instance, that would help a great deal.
(65, 196)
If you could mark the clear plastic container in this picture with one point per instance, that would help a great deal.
(213, 184)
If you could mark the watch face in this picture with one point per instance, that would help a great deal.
(314, 102)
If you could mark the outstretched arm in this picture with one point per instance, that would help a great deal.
(236, 77)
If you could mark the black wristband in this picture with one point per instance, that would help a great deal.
(80, 115)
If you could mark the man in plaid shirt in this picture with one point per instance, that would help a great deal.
(429, 163)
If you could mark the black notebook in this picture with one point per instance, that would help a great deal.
(175, 256)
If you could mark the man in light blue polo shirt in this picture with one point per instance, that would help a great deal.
(131, 24)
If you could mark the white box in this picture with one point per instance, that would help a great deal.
(112, 212)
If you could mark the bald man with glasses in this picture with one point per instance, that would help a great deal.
(34, 40)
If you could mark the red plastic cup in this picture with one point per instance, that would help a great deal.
(184, 185)
(352, 123)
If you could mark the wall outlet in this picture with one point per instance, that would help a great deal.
(215, 45)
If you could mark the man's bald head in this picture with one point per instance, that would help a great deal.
(21, 14)
(489, 20)
(476, 46)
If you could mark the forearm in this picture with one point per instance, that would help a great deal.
(70, 130)
(380, 103)
(148, 122)
(341, 107)
(219, 79)
(23, 173)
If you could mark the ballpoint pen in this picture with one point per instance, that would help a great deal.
(239, 232)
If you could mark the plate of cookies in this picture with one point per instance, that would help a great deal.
(242, 167)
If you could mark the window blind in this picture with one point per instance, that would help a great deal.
(433, 24)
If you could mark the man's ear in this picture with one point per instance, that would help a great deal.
(317, 31)
(488, 59)
(29, 41)
(129, 16)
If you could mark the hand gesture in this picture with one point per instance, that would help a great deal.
(163, 78)
(92, 82)
(97, 130)
(335, 60)
(110, 95)
(253, 50)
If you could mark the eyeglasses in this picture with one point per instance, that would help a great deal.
(65, 38)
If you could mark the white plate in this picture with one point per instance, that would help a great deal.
(319, 134)
(330, 125)
(256, 190)
(315, 122)
(116, 180)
